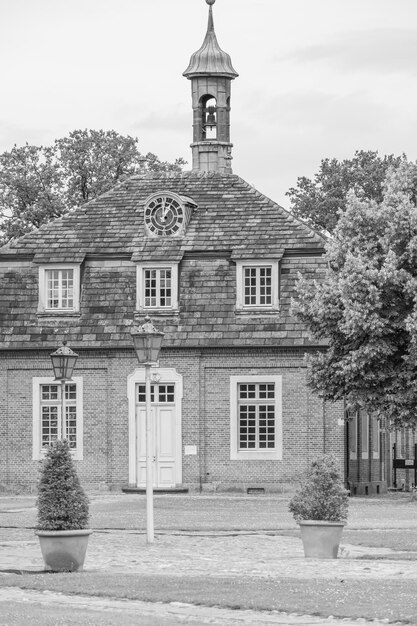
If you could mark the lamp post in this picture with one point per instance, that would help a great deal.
(63, 362)
(147, 341)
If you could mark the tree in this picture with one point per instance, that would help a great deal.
(62, 503)
(30, 190)
(321, 202)
(39, 183)
(366, 306)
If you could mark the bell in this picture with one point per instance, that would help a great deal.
(211, 117)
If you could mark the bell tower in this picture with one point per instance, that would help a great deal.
(211, 73)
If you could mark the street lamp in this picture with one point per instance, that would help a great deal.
(63, 362)
(147, 341)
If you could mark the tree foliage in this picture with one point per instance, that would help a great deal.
(62, 503)
(39, 183)
(321, 201)
(322, 495)
(366, 306)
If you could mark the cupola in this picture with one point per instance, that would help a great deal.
(211, 72)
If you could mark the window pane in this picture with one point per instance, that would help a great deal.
(165, 288)
(252, 391)
(67, 289)
(60, 289)
(49, 392)
(49, 425)
(265, 281)
(256, 420)
(364, 433)
(70, 392)
(142, 393)
(71, 426)
(353, 434)
(157, 288)
(375, 436)
(50, 413)
(52, 289)
(250, 274)
(257, 286)
(170, 393)
(166, 393)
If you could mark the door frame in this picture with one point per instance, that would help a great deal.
(166, 375)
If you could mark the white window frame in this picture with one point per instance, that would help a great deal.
(364, 434)
(43, 296)
(140, 286)
(255, 455)
(398, 440)
(240, 289)
(37, 451)
(353, 450)
(376, 438)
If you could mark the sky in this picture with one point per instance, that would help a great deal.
(317, 78)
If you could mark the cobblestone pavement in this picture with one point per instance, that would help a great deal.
(215, 555)
(210, 544)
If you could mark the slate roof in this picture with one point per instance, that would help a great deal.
(233, 221)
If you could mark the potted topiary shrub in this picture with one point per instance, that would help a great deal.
(320, 507)
(63, 514)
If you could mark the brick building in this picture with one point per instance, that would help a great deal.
(214, 263)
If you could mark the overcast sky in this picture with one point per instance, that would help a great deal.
(317, 78)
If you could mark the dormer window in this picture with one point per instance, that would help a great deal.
(157, 287)
(257, 285)
(59, 289)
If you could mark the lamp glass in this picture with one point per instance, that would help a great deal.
(63, 362)
(147, 346)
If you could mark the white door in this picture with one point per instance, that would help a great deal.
(163, 420)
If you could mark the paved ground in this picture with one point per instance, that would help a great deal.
(210, 536)
(51, 609)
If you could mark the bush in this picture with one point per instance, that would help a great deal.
(62, 503)
(322, 495)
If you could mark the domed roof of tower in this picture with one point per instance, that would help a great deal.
(210, 59)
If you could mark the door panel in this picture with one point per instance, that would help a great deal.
(163, 445)
(166, 432)
(141, 447)
(165, 420)
(141, 430)
(166, 476)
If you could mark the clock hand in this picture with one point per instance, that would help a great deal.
(164, 210)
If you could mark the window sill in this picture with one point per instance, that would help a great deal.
(77, 455)
(255, 455)
(58, 313)
(158, 312)
(258, 312)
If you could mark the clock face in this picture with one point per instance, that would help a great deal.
(164, 215)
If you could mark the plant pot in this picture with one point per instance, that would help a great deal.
(63, 550)
(321, 539)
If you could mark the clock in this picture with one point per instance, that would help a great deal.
(164, 214)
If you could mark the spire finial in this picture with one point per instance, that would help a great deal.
(210, 27)
(210, 59)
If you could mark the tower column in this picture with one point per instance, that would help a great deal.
(211, 72)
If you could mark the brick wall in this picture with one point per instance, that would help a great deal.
(309, 426)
